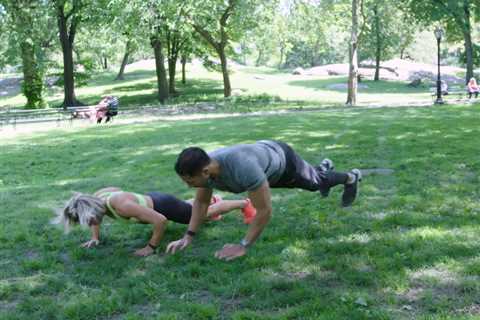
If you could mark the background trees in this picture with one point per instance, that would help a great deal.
(93, 36)
(457, 15)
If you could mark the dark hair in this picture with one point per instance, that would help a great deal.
(191, 161)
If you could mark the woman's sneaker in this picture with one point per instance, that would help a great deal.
(249, 212)
(350, 191)
(216, 216)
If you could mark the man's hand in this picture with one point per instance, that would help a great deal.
(144, 251)
(179, 244)
(91, 243)
(230, 252)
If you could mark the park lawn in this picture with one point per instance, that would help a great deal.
(252, 88)
(408, 248)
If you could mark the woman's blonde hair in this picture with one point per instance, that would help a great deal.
(83, 209)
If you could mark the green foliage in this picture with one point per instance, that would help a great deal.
(476, 55)
(81, 78)
(385, 26)
(33, 90)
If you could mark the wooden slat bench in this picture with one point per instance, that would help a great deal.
(19, 116)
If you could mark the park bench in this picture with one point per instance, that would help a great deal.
(13, 117)
(458, 92)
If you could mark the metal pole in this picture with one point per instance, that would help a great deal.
(439, 82)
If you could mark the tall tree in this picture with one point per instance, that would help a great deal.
(219, 22)
(126, 27)
(219, 42)
(353, 65)
(30, 44)
(388, 31)
(68, 17)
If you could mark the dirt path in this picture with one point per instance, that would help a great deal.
(147, 115)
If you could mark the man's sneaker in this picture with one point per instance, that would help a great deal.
(326, 165)
(249, 212)
(350, 191)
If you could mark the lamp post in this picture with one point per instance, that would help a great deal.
(438, 34)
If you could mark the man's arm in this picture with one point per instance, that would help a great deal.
(261, 200)
(200, 208)
(199, 213)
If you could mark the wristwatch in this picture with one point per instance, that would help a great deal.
(244, 243)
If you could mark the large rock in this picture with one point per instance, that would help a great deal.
(298, 71)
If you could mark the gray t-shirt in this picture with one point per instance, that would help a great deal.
(245, 167)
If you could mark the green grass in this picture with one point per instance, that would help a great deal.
(407, 249)
(254, 89)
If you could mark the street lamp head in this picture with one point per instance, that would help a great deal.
(438, 33)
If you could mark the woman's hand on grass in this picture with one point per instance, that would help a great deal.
(91, 243)
(144, 252)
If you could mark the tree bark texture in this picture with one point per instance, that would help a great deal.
(353, 68)
(184, 72)
(67, 37)
(120, 75)
(32, 86)
(378, 51)
(467, 34)
(160, 69)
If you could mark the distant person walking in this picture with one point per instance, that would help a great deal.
(473, 88)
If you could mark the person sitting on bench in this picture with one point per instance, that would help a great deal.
(473, 88)
(107, 108)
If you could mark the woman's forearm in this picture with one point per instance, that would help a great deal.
(95, 232)
(157, 234)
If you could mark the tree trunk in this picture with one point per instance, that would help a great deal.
(282, 50)
(467, 34)
(105, 65)
(66, 40)
(378, 44)
(259, 58)
(124, 62)
(353, 70)
(32, 78)
(161, 72)
(184, 76)
(227, 89)
(172, 68)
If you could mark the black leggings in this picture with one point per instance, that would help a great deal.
(300, 174)
(172, 208)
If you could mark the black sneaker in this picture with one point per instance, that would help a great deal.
(324, 168)
(350, 191)
(326, 165)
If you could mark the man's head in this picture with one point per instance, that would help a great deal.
(192, 166)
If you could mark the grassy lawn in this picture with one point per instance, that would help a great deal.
(253, 89)
(407, 249)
